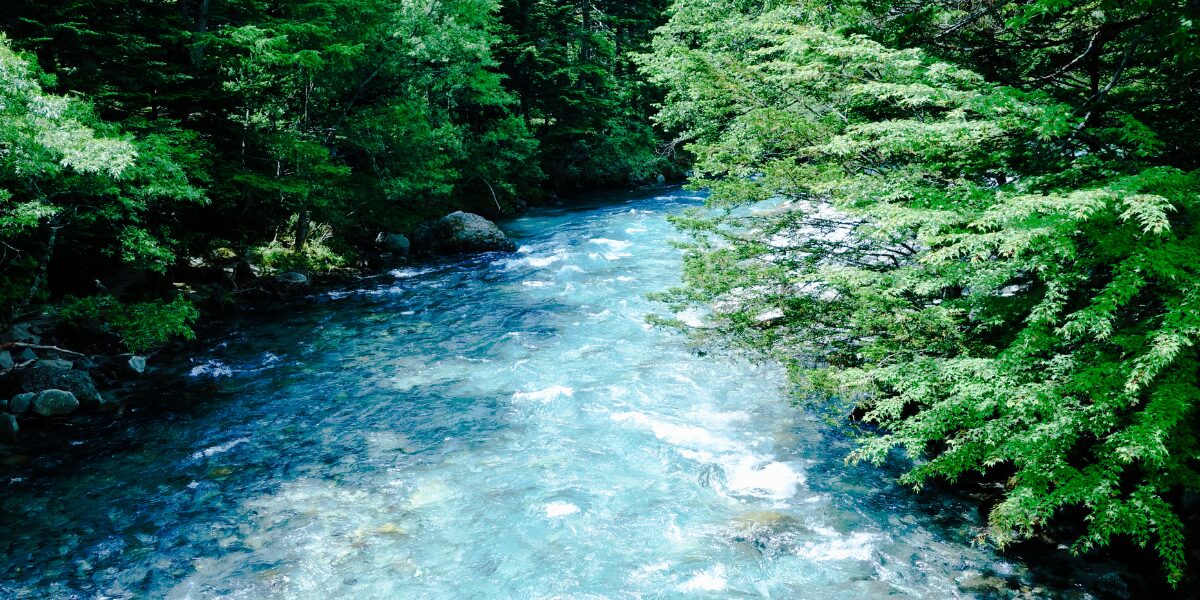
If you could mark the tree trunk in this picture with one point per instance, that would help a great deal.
(195, 11)
(302, 229)
(40, 275)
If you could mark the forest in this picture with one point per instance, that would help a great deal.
(967, 227)
(146, 140)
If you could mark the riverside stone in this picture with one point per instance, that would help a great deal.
(55, 363)
(461, 232)
(54, 403)
(20, 333)
(137, 364)
(20, 403)
(395, 243)
(293, 278)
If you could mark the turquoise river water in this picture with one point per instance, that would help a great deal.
(499, 426)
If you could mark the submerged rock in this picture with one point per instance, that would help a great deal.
(6, 360)
(982, 585)
(767, 531)
(461, 232)
(55, 403)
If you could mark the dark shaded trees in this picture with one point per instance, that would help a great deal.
(296, 130)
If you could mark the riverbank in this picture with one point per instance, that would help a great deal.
(55, 372)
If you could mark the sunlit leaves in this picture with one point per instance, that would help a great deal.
(1002, 284)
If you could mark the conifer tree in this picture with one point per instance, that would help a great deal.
(1002, 277)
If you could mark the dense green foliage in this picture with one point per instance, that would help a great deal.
(570, 65)
(143, 136)
(976, 220)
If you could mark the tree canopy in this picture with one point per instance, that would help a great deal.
(146, 136)
(976, 221)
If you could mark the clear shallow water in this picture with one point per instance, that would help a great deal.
(501, 427)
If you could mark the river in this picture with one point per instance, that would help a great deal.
(499, 426)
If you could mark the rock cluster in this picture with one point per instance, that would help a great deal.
(38, 384)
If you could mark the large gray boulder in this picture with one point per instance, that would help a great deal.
(461, 232)
(395, 243)
(55, 403)
(51, 375)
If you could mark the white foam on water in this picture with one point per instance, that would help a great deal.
(211, 368)
(614, 244)
(647, 570)
(713, 579)
(856, 546)
(710, 416)
(610, 256)
(219, 449)
(537, 283)
(753, 476)
(408, 273)
(544, 261)
(535, 260)
(560, 509)
(550, 393)
(685, 436)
